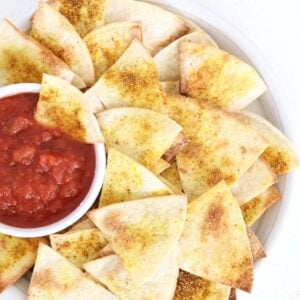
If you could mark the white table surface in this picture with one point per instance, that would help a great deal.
(274, 27)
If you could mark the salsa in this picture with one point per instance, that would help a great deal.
(44, 173)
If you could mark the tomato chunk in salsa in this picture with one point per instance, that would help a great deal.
(44, 173)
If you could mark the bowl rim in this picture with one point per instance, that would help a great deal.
(85, 204)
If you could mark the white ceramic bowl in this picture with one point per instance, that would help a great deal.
(86, 203)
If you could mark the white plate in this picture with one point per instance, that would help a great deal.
(228, 38)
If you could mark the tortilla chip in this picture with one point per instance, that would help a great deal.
(84, 15)
(22, 59)
(142, 134)
(280, 154)
(61, 106)
(192, 287)
(178, 145)
(106, 251)
(172, 175)
(160, 27)
(160, 166)
(79, 247)
(143, 232)
(82, 225)
(55, 32)
(212, 75)
(167, 59)
(257, 248)
(214, 244)
(131, 81)
(133, 180)
(222, 145)
(17, 257)
(232, 295)
(256, 207)
(110, 272)
(54, 277)
(170, 87)
(256, 180)
(107, 44)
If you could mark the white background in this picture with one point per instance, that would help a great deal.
(274, 27)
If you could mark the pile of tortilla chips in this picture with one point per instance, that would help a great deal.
(188, 172)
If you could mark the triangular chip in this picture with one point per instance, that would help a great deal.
(166, 60)
(82, 225)
(107, 44)
(172, 175)
(214, 244)
(256, 180)
(131, 81)
(17, 257)
(22, 59)
(212, 75)
(192, 287)
(160, 166)
(143, 232)
(222, 145)
(256, 207)
(142, 134)
(257, 248)
(133, 180)
(160, 27)
(55, 32)
(85, 15)
(79, 247)
(170, 87)
(61, 105)
(280, 154)
(54, 277)
(106, 251)
(111, 273)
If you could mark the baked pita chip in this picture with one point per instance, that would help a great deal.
(110, 272)
(62, 105)
(82, 225)
(257, 248)
(133, 180)
(256, 180)
(256, 207)
(222, 145)
(192, 287)
(84, 15)
(17, 257)
(212, 75)
(54, 277)
(167, 59)
(143, 232)
(280, 154)
(22, 59)
(142, 134)
(214, 244)
(79, 247)
(172, 175)
(131, 81)
(160, 27)
(170, 87)
(56, 33)
(107, 44)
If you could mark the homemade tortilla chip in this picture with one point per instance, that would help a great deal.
(142, 134)
(17, 257)
(280, 154)
(143, 232)
(84, 15)
(62, 106)
(106, 251)
(214, 244)
(256, 180)
(257, 248)
(134, 181)
(81, 225)
(160, 27)
(107, 44)
(54, 277)
(55, 32)
(166, 60)
(79, 247)
(256, 207)
(170, 87)
(212, 75)
(172, 175)
(192, 287)
(110, 272)
(131, 81)
(22, 59)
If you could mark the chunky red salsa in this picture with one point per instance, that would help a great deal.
(44, 173)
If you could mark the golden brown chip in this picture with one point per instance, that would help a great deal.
(257, 248)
